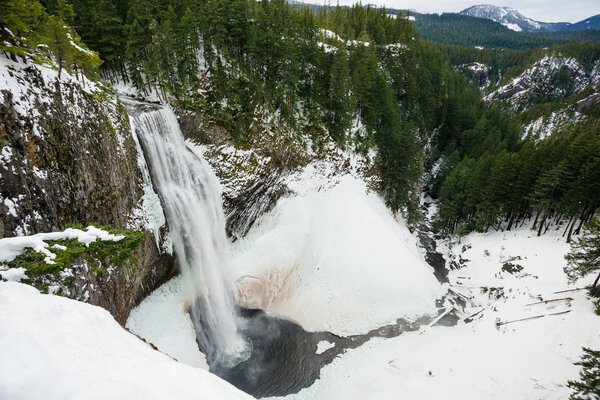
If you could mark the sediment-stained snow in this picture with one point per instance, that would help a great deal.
(57, 348)
(335, 260)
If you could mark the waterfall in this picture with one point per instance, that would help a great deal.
(191, 196)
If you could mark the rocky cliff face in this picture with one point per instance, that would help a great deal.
(552, 77)
(67, 156)
(273, 162)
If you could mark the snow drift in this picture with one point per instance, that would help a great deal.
(57, 348)
(335, 260)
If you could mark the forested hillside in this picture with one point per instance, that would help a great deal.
(463, 30)
(546, 165)
(355, 76)
(378, 85)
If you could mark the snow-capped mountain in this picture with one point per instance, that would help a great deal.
(506, 16)
(516, 21)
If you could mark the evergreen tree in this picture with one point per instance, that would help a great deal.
(584, 256)
(21, 25)
(588, 386)
(59, 43)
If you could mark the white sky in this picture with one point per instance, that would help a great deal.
(540, 10)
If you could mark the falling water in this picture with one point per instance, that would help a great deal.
(191, 196)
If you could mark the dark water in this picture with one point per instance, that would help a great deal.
(283, 357)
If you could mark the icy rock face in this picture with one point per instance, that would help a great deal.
(552, 76)
(67, 156)
(595, 74)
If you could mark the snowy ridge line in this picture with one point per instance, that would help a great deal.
(539, 78)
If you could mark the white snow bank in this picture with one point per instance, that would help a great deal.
(335, 260)
(57, 348)
(14, 274)
(163, 320)
(529, 359)
(15, 246)
(323, 346)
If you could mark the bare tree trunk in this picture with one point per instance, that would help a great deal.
(536, 218)
(595, 289)
(570, 223)
(512, 219)
(584, 217)
(542, 224)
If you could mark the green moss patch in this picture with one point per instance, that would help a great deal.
(100, 257)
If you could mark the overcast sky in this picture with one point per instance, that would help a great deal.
(540, 10)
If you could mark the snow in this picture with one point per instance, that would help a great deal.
(335, 260)
(330, 34)
(57, 348)
(15, 246)
(539, 78)
(542, 128)
(327, 48)
(506, 16)
(163, 320)
(327, 34)
(513, 27)
(323, 346)
(528, 359)
(14, 77)
(12, 209)
(14, 274)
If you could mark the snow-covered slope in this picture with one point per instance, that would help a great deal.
(552, 76)
(332, 257)
(514, 20)
(57, 348)
(163, 319)
(506, 16)
(335, 260)
(510, 344)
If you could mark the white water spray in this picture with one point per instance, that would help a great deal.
(191, 197)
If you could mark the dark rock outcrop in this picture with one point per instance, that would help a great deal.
(67, 156)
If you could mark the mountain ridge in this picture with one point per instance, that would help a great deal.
(516, 21)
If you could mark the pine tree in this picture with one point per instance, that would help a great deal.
(64, 10)
(588, 386)
(584, 256)
(59, 43)
(21, 25)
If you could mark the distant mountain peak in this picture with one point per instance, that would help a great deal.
(506, 16)
(516, 21)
